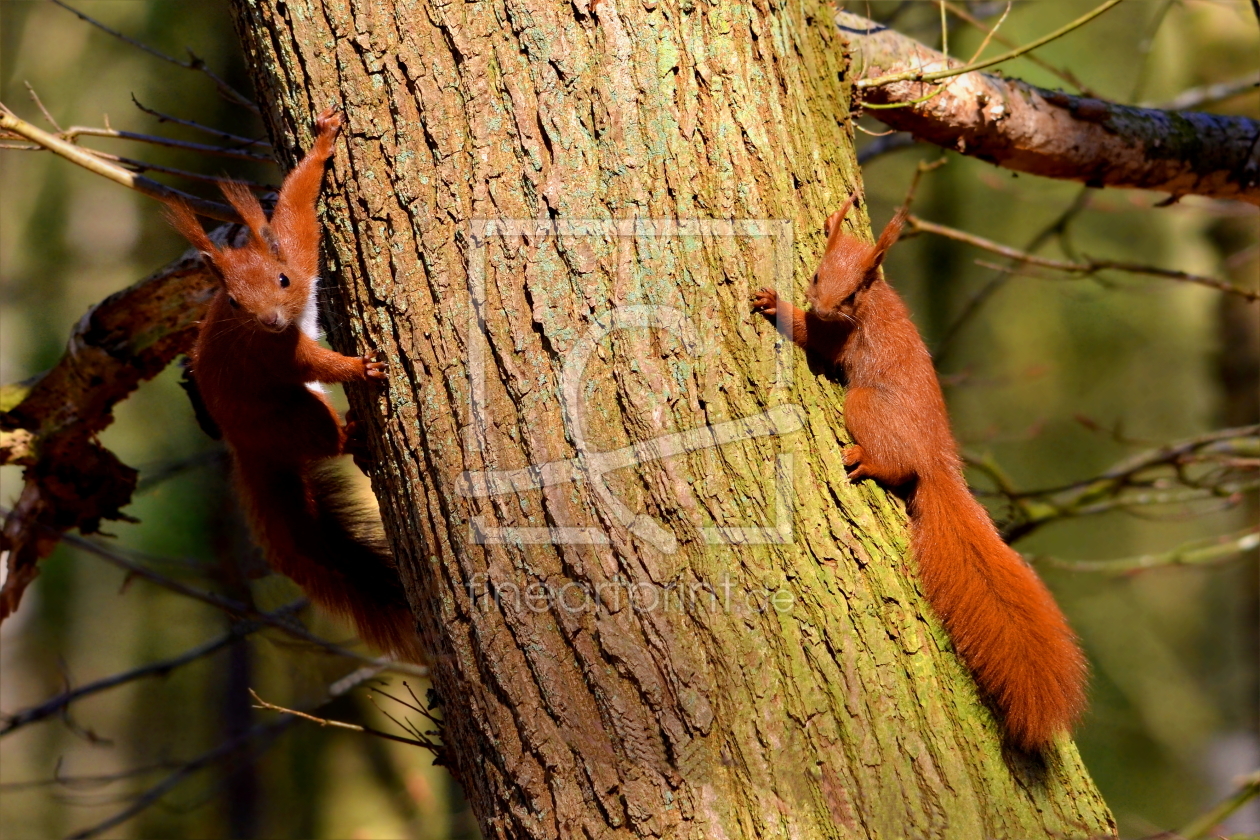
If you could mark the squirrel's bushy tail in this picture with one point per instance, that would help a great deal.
(1002, 618)
(312, 528)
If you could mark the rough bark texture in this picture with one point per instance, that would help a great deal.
(1050, 133)
(836, 710)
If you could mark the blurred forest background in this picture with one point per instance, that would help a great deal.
(1053, 380)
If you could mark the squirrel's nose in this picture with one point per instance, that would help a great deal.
(272, 320)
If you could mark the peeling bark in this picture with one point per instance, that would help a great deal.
(1053, 134)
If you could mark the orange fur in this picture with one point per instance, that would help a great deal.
(255, 355)
(1002, 618)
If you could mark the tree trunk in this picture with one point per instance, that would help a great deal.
(655, 604)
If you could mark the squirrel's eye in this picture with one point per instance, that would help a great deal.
(284, 281)
(232, 301)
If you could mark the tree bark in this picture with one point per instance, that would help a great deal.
(626, 662)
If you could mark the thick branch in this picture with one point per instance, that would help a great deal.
(1025, 128)
(49, 424)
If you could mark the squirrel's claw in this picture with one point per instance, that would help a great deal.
(765, 301)
(373, 369)
(329, 122)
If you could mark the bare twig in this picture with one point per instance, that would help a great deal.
(86, 781)
(883, 144)
(193, 63)
(1063, 73)
(1218, 465)
(1199, 97)
(1196, 553)
(919, 171)
(134, 165)
(1144, 49)
(224, 136)
(1248, 788)
(224, 750)
(11, 122)
(54, 705)
(1087, 267)
(353, 727)
(977, 301)
(142, 166)
(920, 76)
(75, 131)
(40, 104)
(236, 608)
(153, 794)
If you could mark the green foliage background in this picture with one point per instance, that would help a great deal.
(1174, 691)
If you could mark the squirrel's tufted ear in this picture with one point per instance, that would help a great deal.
(832, 226)
(246, 203)
(887, 239)
(183, 219)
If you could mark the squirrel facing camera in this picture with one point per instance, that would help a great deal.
(256, 361)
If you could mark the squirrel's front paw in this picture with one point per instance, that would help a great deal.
(372, 369)
(765, 301)
(328, 122)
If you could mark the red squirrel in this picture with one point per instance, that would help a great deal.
(256, 363)
(1002, 618)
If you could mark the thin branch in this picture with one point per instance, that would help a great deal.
(920, 76)
(224, 750)
(40, 104)
(883, 144)
(1217, 465)
(1063, 73)
(54, 705)
(1144, 50)
(1004, 274)
(147, 186)
(153, 475)
(403, 726)
(222, 135)
(193, 63)
(1089, 266)
(339, 724)
(1249, 785)
(1199, 97)
(134, 165)
(153, 794)
(989, 34)
(76, 131)
(86, 781)
(1196, 553)
(236, 608)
